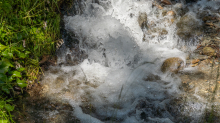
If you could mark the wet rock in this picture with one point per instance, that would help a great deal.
(194, 61)
(88, 108)
(142, 103)
(217, 25)
(142, 20)
(195, 56)
(166, 2)
(205, 42)
(172, 20)
(152, 77)
(45, 89)
(190, 1)
(208, 18)
(171, 13)
(211, 22)
(68, 59)
(157, 5)
(180, 9)
(188, 27)
(75, 82)
(173, 65)
(160, 31)
(209, 51)
(59, 82)
(193, 65)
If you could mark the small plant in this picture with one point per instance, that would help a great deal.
(5, 109)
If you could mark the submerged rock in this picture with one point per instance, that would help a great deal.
(188, 27)
(159, 31)
(152, 77)
(59, 81)
(173, 65)
(142, 20)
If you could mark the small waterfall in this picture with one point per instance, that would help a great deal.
(113, 72)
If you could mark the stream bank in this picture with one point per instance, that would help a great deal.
(197, 84)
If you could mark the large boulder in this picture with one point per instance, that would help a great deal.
(173, 65)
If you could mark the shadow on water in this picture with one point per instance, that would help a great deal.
(32, 107)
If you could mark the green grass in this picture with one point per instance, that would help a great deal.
(29, 29)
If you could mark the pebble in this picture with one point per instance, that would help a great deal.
(194, 61)
(171, 13)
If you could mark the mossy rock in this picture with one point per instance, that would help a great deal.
(208, 51)
(173, 65)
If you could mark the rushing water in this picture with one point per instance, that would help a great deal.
(118, 77)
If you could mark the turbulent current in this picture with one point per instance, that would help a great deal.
(113, 73)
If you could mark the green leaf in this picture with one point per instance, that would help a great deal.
(2, 47)
(5, 89)
(2, 104)
(3, 77)
(10, 79)
(7, 7)
(32, 61)
(10, 27)
(8, 63)
(21, 55)
(8, 107)
(7, 54)
(4, 121)
(16, 74)
(21, 83)
(4, 66)
(1, 83)
(35, 47)
(19, 36)
(9, 100)
(3, 69)
(20, 69)
(27, 52)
